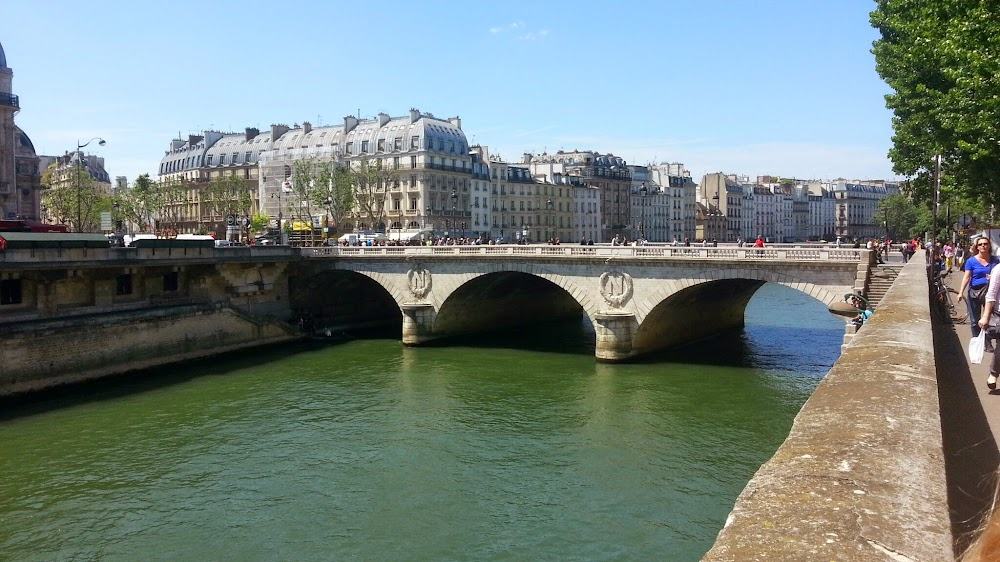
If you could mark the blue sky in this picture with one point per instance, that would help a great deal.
(781, 87)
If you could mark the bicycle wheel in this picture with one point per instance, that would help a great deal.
(940, 308)
(959, 314)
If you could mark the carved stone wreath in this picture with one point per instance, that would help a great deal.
(616, 287)
(419, 281)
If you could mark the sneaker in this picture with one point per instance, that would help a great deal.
(991, 381)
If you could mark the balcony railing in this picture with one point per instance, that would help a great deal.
(9, 100)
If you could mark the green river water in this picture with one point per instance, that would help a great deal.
(494, 448)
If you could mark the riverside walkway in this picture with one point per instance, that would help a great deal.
(970, 420)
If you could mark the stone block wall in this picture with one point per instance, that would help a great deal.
(861, 475)
(43, 354)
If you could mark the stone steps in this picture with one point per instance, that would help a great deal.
(881, 279)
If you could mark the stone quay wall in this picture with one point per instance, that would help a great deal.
(42, 354)
(861, 475)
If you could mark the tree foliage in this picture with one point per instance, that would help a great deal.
(78, 200)
(138, 204)
(227, 195)
(171, 194)
(372, 181)
(941, 60)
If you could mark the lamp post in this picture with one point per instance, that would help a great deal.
(79, 170)
(717, 213)
(503, 217)
(115, 207)
(643, 191)
(885, 216)
(454, 208)
(286, 187)
(548, 220)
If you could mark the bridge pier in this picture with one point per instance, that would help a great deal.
(418, 323)
(615, 334)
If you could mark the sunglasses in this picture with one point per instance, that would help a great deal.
(982, 243)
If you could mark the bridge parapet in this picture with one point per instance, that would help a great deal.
(650, 252)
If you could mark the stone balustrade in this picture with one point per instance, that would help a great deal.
(718, 253)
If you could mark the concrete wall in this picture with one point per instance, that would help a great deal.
(42, 354)
(861, 475)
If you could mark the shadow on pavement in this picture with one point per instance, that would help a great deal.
(971, 456)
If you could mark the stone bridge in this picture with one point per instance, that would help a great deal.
(638, 299)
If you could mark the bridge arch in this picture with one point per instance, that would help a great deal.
(635, 305)
(690, 309)
(504, 298)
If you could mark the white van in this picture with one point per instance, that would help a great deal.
(362, 238)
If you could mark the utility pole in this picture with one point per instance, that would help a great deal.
(937, 198)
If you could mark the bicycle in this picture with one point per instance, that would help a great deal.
(944, 306)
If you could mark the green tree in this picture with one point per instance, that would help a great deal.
(941, 59)
(307, 187)
(224, 196)
(371, 180)
(900, 216)
(138, 203)
(259, 222)
(336, 192)
(171, 195)
(75, 200)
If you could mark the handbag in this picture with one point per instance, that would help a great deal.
(976, 347)
(979, 292)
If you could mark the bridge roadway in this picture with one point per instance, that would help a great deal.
(639, 299)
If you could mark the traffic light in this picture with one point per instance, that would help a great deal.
(463, 225)
(447, 223)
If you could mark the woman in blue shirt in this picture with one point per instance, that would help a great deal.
(977, 280)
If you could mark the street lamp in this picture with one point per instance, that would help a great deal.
(116, 206)
(885, 214)
(79, 170)
(643, 191)
(286, 187)
(454, 208)
(503, 217)
(717, 213)
(548, 219)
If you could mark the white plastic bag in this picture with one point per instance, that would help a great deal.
(976, 346)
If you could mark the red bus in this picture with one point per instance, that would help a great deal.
(21, 225)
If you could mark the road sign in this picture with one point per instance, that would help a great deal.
(106, 220)
(230, 220)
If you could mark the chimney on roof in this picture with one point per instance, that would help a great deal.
(414, 115)
(350, 122)
(526, 158)
(277, 131)
(194, 139)
(306, 127)
(456, 121)
(383, 118)
(251, 133)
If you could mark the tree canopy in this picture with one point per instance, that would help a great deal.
(941, 60)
